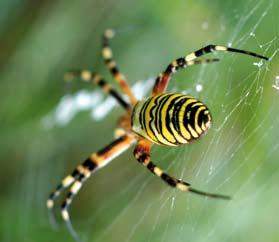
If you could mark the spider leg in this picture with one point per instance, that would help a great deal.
(213, 48)
(66, 182)
(142, 154)
(89, 76)
(75, 181)
(111, 65)
(69, 198)
(118, 132)
(164, 78)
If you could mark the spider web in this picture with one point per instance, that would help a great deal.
(238, 156)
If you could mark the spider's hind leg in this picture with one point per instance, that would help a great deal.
(142, 154)
(74, 181)
(66, 182)
(76, 186)
(83, 172)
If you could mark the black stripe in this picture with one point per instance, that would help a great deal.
(101, 83)
(52, 196)
(70, 195)
(105, 41)
(112, 144)
(108, 60)
(143, 157)
(114, 70)
(89, 164)
(151, 167)
(81, 177)
(168, 70)
(75, 173)
(175, 117)
(247, 53)
(171, 181)
(141, 115)
(181, 62)
(204, 50)
(140, 118)
(119, 99)
(64, 205)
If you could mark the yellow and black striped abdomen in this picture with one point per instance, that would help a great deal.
(171, 119)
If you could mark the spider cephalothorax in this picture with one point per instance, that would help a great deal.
(170, 119)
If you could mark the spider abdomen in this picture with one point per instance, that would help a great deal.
(170, 119)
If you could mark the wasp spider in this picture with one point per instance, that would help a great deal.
(170, 119)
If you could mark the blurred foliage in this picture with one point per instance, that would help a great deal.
(40, 40)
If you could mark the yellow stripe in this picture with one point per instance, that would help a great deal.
(76, 186)
(192, 131)
(221, 48)
(83, 170)
(67, 180)
(190, 57)
(182, 187)
(177, 136)
(158, 171)
(107, 53)
(86, 75)
(197, 104)
(109, 33)
(50, 203)
(65, 214)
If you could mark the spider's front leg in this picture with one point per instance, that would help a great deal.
(88, 76)
(75, 181)
(163, 79)
(142, 154)
(111, 65)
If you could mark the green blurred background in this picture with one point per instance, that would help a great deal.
(40, 40)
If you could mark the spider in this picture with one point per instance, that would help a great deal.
(169, 119)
